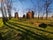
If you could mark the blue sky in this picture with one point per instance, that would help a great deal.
(23, 6)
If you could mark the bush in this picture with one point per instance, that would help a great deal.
(43, 25)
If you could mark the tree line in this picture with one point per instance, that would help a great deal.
(6, 7)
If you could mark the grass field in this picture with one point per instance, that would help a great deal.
(26, 29)
(1, 23)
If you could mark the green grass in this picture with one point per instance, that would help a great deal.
(15, 26)
(34, 23)
(28, 22)
(21, 29)
(1, 22)
(37, 30)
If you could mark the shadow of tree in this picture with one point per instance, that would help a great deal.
(1, 38)
(5, 19)
(27, 32)
(32, 27)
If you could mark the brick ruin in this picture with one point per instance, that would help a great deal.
(30, 15)
(24, 16)
(16, 15)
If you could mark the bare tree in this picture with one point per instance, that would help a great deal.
(9, 7)
(3, 10)
(39, 8)
(6, 6)
(47, 7)
(33, 9)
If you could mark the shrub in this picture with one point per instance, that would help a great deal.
(43, 25)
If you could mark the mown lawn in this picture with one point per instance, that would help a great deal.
(26, 29)
(1, 22)
(34, 23)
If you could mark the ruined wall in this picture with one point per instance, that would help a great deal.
(16, 15)
(30, 14)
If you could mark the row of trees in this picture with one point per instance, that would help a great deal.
(6, 9)
(44, 7)
(6, 6)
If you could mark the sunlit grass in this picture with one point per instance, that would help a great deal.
(1, 22)
(29, 22)
(34, 23)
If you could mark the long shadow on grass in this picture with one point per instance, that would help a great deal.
(1, 38)
(30, 33)
(32, 27)
(15, 29)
